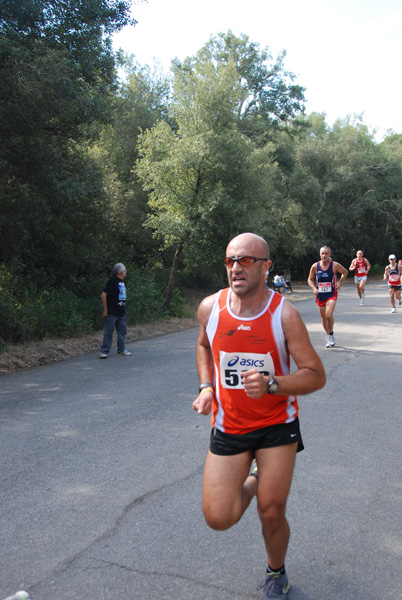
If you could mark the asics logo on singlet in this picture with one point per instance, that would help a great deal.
(245, 362)
(245, 327)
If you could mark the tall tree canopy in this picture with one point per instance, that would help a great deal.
(267, 92)
(57, 73)
(141, 102)
(199, 171)
(337, 186)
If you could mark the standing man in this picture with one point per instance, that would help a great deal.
(361, 267)
(114, 312)
(247, 335)
(393, 274)
(325, 285)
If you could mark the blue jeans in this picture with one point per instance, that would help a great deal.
(111, 323)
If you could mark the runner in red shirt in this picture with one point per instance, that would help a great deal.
(247, 335)
(361, 266)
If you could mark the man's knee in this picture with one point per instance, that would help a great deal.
(219, 519)
(272, 515)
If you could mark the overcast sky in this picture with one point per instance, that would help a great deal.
(346, 53)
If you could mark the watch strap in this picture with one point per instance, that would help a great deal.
(205, 385)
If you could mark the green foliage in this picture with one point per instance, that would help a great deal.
(200, 167)
(28, 314)
(57, 73)
(266, 92)
(140, 103)
(377, 269)
(145, 296)
(344, 187)
(163, 170)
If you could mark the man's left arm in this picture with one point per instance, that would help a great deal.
(310, 374)
(338, 268)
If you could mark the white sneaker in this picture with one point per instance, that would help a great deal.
(331, 340)
(393, 310)
(328, 344)
(103, 355)
(362, 302)
(124, 353)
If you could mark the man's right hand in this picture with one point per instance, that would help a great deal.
(203, 403)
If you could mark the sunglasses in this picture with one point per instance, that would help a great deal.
(244, 261)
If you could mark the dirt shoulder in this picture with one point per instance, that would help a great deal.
(25, 356)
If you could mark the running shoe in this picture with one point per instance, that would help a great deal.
(393, 310)
(254, 469)
(400, 301)
(124, 353)
(276, 585)
(362, 302)
(103, 355)
(331, 340)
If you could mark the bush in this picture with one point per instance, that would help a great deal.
(29, 314)
(146, 295)
(50, 313)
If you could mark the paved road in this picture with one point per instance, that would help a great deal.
(102, 464)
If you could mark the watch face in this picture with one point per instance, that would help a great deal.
(273, 388)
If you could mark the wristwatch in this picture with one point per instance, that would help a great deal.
(273, 385)
(205, 385)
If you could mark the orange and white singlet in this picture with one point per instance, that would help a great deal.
(239, 344)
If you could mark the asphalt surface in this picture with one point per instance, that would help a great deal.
(101, 473)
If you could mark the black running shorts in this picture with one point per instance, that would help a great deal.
(226, 444)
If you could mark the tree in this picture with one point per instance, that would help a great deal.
(344, 190)
(141, 101)
(58, 74)
(199, 171)
(268, 96)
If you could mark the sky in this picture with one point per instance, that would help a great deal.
(346, 53)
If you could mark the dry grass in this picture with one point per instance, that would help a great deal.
(23, 356)
(18, 357)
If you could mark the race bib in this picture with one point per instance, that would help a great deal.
(233, 363)
(324, 287)
(361, 270)
(394, 277)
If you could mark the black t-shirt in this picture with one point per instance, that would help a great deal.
(116, 296)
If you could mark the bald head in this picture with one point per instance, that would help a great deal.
(248, 243)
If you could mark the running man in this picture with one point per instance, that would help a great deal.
(393, 273)
(247, 335)
(325, 285)
(361, 266)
